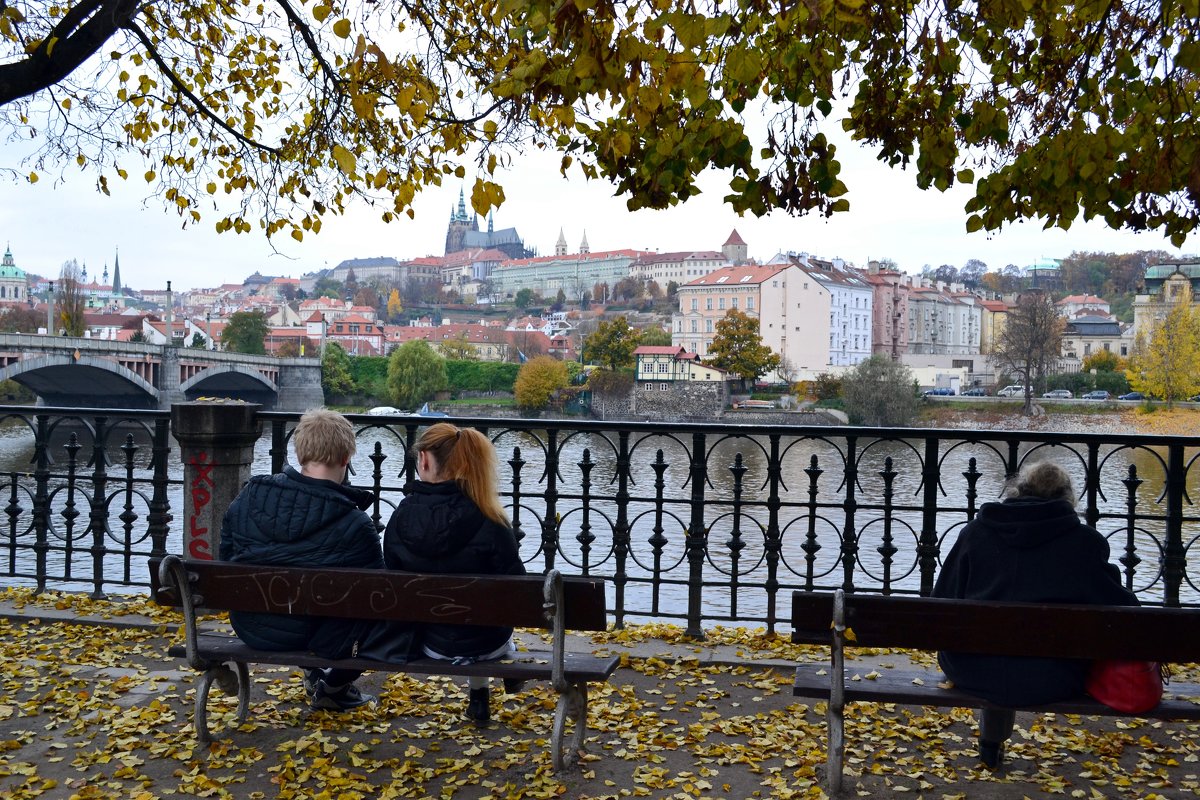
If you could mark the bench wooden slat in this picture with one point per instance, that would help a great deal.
(1062, 631)
(898, 686)
(526, 665)
(503, 600)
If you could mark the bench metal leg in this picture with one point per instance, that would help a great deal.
(230, 681)
(572, 704)
(836, 710)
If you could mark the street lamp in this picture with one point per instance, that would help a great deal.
(170, 316)
(50, 310)
(208, 329)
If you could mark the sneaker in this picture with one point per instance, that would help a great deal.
(513, 685)
(311, 677)
(991, 754)
(339, 698)
(478, 705)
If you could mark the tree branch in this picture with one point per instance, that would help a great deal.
(199, 104)
(57, 56)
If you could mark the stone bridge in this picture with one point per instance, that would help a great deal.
(97, 373)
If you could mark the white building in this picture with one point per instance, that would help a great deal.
(851, 304)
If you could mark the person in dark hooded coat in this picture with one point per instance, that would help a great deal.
(451, 522)
(1030, 548)
(307, 518)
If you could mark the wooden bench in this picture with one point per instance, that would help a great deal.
(842, 620)
(553, 602)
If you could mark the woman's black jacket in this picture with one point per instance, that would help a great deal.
(436, 528)
(1031, 550)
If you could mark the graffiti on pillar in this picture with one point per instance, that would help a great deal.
(199, 545)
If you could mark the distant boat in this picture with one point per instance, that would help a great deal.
(424, 411)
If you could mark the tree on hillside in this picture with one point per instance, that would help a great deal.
(1163, 361)
(394, 307)
(246, 332)
(21, 319)
(880, 392)
(292, 111)
(1030, 341)
(458, 348)
(538, 381)
(612, 344)
(415, 374)
(737, 347)
(1107, 274)
(523, 298)
(336, 378)
(972, 272)
(654, 335)
(70, 301)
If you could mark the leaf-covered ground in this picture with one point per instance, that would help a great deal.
(100, 712)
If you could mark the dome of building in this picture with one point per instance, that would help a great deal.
(9, 269)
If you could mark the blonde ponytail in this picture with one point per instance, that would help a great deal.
(465, 456)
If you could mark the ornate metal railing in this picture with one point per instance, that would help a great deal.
(688, 522)
(87, 495)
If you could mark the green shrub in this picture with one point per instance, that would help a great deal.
(481, 376)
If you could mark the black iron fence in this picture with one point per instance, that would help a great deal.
(693, 523)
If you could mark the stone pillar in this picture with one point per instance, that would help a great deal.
(216, 443)
(299, 385)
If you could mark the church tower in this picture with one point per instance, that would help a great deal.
(460, 224)
(116, 286)
(735, 249)
(560, 247)
(584, 248)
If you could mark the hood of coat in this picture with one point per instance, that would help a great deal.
(290, 506)
(1029, 522)
(437, 519)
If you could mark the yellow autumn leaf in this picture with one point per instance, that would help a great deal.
(346, 160)
(341, 28)
(33, 177)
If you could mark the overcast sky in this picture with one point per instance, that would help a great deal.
(53, 221)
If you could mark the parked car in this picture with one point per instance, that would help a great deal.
(975, 391)
(1059, 394)
(1012, 390)
(1098, 394)
(941, 392)
(1132, 396)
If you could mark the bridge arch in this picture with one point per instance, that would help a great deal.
(81, 380)
(231, 380)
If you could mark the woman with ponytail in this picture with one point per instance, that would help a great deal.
(452, 522)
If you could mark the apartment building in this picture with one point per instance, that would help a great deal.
(791, 306)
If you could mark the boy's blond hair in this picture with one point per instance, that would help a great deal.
(323, 437)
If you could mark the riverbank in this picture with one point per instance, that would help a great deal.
(1058, 418)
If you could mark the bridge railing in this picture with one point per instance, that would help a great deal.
(699, 523)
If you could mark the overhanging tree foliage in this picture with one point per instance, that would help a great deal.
(292, 107)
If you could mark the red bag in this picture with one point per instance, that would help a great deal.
(1130, 687)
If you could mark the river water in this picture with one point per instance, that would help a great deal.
(736, 519)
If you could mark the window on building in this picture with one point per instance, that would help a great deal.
(1124, 350)
(721, 304)
(750, 302)
(662, 367)
(1107, 347)
(695, 304)
(649, 387)
(693, 326)
(663, 386)
(708, 304)
(733, 302)
(708, 326)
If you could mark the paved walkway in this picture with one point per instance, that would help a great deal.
(97, 710)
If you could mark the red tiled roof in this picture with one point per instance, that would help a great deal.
(734, 238)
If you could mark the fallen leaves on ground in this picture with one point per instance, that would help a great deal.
(89, 711)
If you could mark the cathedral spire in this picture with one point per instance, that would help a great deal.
(116, 286)
(462, 206)
(583, 246)
(560, 247)
(491, 222)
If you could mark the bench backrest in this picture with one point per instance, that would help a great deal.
(1017, 629)
(504, 600)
